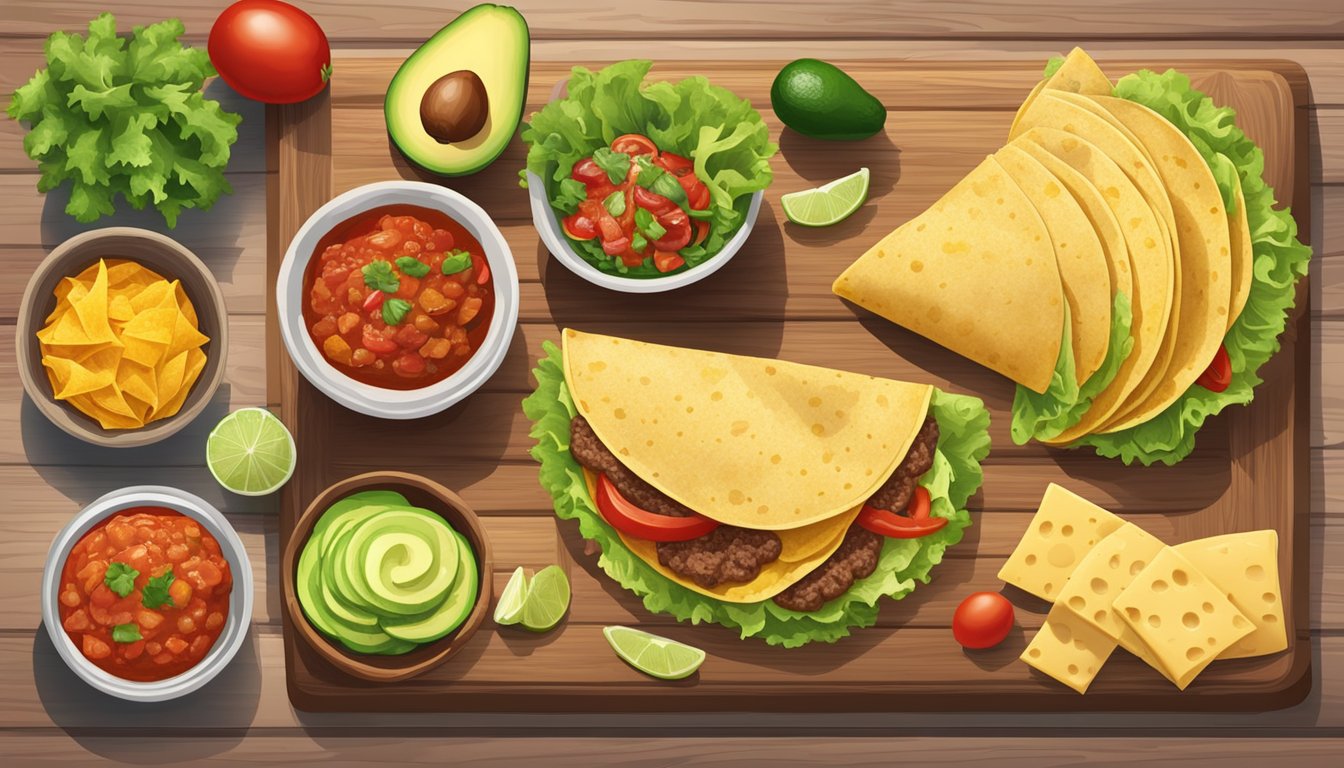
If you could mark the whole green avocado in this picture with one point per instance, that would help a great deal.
(818, 99)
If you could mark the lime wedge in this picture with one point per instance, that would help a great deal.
(547, 599)
(509, 609)
(250, 452)
(828, 204)
(653, 655)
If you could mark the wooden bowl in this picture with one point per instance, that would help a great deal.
(157, 252)
(421, 492)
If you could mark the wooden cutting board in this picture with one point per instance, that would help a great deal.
(1249, 471)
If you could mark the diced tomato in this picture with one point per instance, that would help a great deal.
(666, 262)
(1218, 376)
(634, 144)
(674, 164)
(376, 343)
(409, 364)
(678, 226)
(481, 267)
(579, 227)
(616, 247)
(636, 521)
(697, 194)
(372, 303)
(653, 202)
(590, 173)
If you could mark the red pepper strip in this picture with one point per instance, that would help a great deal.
(1218, 376)
(374, 301)
(629, 519)
(482, 268)
(918, 522)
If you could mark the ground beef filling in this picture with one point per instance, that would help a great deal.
(730, 554)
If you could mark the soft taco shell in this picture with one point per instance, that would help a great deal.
(747, 441)
(1078, 74)
(1243, 257)
(975, 273)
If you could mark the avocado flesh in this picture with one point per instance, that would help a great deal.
(405, 562)
(308, 582)
(452, 612)
(489, 40)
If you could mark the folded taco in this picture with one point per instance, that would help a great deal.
(1125, 338)
(779, 499)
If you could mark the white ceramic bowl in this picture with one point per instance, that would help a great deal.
(240, 599)
(548, 227)
(377, 401)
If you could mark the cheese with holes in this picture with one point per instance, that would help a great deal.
(1181, 615)
(1245, 567)
(1069, 649)
(1104, 572)
(1061, 533)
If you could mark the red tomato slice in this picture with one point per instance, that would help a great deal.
(270, 51)
(1218, 376)
(374, 301)
(674, 164)
(697, 194)
(641, 523)
(590, 173)
(701, 231)
(666, 262)
(579, 227)
(678, 226)
(634, 144)
(653, 202)
(982, 620)
(482, 268)
(915, 523)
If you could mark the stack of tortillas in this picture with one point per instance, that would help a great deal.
(1094, 260)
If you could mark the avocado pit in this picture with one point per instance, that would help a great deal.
(454, 107)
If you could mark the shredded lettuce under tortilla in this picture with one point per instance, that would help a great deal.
(963, 424)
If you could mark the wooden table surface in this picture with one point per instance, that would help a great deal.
(48, 716)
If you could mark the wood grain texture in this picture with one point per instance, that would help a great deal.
(952, 119)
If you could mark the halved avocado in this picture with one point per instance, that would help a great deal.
(456, 102)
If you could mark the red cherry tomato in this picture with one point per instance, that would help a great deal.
(1218, 376)
(634, 144)
(982, 620)
(627, 518)
(674, 164)
(579, 227)
(590, 173)
(697, 194)
(270, 51)
(678, 226)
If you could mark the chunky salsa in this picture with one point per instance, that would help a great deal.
(398, 297)
(144, 595)
(642, 205)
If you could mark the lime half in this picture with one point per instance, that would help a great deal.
(547, 599)
(509, 609)
(653, 655)
(250, 452)
(828, 204)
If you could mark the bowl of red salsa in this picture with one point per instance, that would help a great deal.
(398, 299)
(147, 593)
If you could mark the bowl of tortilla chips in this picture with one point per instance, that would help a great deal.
(121, 337)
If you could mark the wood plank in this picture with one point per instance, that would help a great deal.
(352, 21)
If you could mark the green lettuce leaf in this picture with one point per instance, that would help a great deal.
(963, 423)
(722, 134)
(117, 117)
(1280, 260)
(1045, 416)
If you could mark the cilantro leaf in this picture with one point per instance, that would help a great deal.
(615, 203)
(409, 265)
(616, 164)
(638, 243)
(123, 116)
(648, 225)
(120, 578)
(379, 276)
(456, 262)
(394, 310)
(569, 193)
(126, 633)
(155, 593)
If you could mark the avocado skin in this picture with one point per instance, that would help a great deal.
(450, 49)
(819, 99)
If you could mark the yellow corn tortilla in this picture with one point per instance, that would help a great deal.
(801, 551)
(1243, 258)
(976, 273)
(775, 445)
(1150, 265)
(1078, 74)
(1078, 252)
(1204, 258)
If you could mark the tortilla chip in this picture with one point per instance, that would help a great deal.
(119, 309)
(184, 335)
(1082, 263)
(155, 325)
(184, 303)
(140, 382)
(778, 445)
(107, 419)
(92, 310)
(69, 378)
(975, 273)
(151, 297)
(196, 360)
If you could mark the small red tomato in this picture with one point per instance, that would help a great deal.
(982, 620)
(270, 51)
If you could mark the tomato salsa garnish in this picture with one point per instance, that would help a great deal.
(144, 595)
(643, 206)
(398, 297)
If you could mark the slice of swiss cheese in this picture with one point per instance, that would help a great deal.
(1181, 615)
(1104, 572)
(1069, 649)
(1061, 533)
(1245, 566)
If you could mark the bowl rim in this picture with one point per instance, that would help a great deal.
(66, 417)
(237, 624)
(547, 224)
(445, 647)
(381, 402)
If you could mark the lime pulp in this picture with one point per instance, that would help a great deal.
(653, 655)
(509, 609)
(828, 204)
(547, 599)
(250, 452)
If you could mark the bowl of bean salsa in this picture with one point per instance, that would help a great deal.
(147, 593)
(398, 299)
